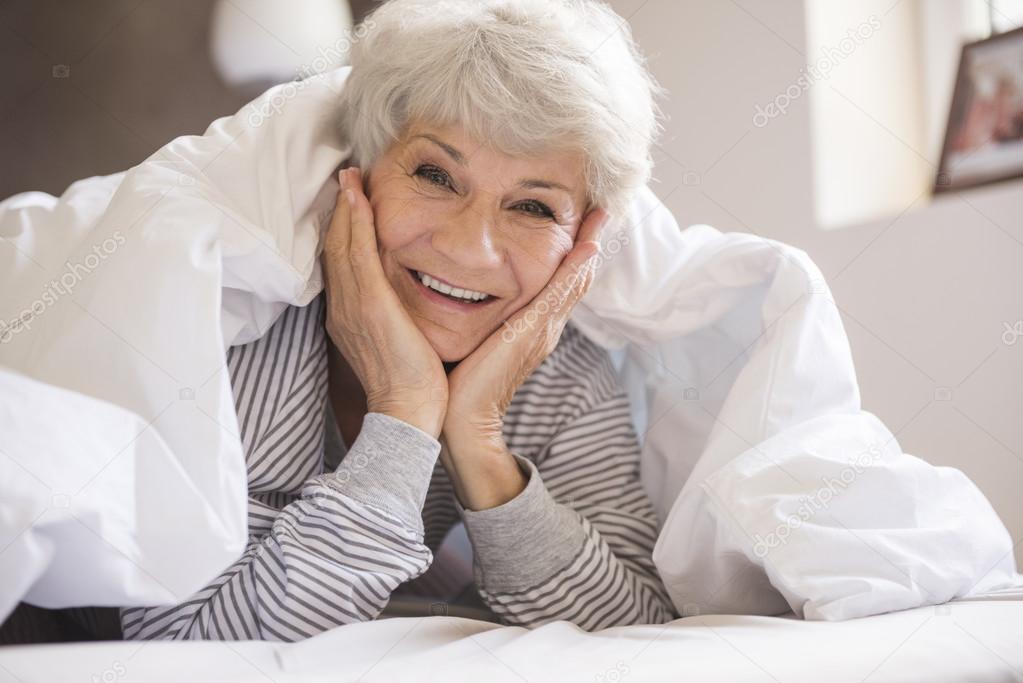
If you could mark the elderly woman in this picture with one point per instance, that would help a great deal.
(437, 379)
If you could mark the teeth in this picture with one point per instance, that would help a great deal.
(457, 292)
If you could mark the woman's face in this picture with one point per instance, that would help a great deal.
(447, 206)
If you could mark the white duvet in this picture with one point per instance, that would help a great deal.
(122, 480)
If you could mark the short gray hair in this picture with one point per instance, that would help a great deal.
(528, 76)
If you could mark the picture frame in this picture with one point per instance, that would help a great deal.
(984, 135)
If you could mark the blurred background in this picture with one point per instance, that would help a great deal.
(819, 123)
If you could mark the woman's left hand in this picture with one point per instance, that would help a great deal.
(482, 385)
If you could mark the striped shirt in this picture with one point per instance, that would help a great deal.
(330, 541)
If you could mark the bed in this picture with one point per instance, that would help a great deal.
(743, 391)
(978, 639)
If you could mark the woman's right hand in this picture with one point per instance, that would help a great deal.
(400, 372)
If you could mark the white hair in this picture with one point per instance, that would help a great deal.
(527, 76)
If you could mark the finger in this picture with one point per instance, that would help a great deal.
(338, 232)
(575, 272)
(335, 242)
(572, 273)
(550, 308)
(364, 239)
(340, 273)
(593, 225)
(363, 255)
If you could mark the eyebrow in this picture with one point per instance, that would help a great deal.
(459, 158)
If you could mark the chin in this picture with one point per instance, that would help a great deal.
(450, 348)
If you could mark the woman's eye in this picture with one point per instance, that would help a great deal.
(437, 176)
(434, 175)
(536, 208)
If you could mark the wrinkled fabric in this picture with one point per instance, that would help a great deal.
(777, 491)
(122, 478)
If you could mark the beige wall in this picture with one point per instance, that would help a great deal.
(924, 293)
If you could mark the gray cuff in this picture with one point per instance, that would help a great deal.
(389, 466)
(525, 541)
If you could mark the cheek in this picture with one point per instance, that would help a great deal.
(550, 246)
(396, 225)
(534, 281)
(536, 262)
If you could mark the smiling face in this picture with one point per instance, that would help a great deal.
(472, 218)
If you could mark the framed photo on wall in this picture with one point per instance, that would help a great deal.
(984, 136)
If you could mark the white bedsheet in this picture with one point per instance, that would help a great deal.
(737, 365)
(973, 640)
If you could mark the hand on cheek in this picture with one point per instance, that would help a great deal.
(399, 371)
(481, 387)
(483, 472)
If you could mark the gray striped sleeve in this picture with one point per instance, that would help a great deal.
(325, 549)
(577, 543)
(388, 467)
(332, 557)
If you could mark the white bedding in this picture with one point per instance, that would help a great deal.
(735, 358)
(970, 640)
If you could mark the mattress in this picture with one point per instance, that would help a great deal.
(976, 639)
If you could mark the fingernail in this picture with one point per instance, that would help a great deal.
(350, 197)
(341, 178)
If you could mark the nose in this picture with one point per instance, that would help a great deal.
(469, 238)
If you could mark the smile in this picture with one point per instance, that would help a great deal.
(438, 291)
